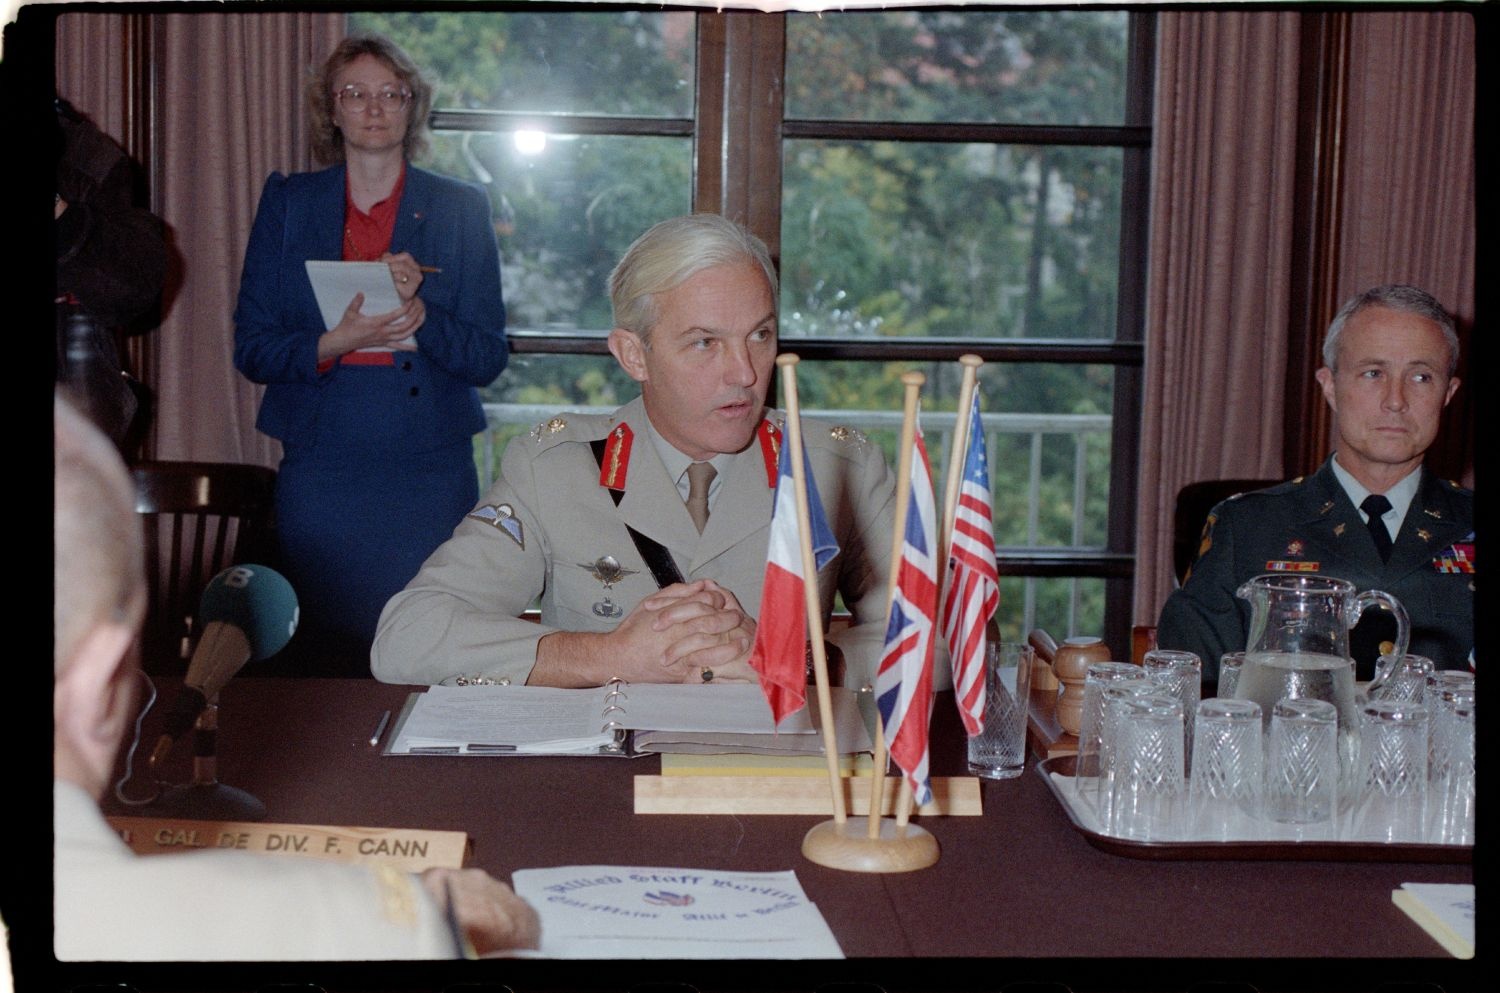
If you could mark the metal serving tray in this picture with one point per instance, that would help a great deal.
(1290, 851)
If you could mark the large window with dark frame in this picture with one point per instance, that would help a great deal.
(931, 181)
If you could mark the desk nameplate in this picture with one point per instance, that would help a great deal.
(407, 849)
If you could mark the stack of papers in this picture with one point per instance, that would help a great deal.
(627, 719)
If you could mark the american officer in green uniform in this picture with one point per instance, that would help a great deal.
(644, 531)
(1372, 514)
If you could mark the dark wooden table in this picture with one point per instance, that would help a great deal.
(1018, 883)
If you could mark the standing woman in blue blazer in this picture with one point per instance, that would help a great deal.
(375, 416)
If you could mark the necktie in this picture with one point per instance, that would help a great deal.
(1375, 506)
(700, 474)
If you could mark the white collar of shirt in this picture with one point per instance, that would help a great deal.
(677, 465)
(1400, 496)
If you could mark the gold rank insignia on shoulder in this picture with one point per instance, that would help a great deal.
(1298, 479)
(848, 435)
(549, 426)
(502, 517)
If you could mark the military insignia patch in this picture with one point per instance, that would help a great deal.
(1458, 557)
(1424, 534)
(1204, 544)
(615, 462)
(607, 569)
(770, 449)
(1326, 507)
(1435, 514)
(547, 427)
(502, 517)
(1294, 548)
(1339, 528)
(847, 435)
(1280, 565)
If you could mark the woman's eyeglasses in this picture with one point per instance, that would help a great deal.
(356, 99)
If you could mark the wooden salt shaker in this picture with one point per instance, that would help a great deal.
(1071, 663)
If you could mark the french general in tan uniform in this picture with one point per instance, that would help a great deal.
(555, 527)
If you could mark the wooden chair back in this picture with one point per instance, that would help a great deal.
(1194, 501)
(198, 518)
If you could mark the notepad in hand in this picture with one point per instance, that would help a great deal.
(336, 283)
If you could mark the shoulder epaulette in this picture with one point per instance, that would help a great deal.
(845, 435)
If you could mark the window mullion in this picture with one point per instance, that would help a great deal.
(737, 149)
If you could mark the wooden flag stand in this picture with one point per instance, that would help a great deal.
(885, 844)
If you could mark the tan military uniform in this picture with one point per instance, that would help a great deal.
(543, 528)
(113, 905)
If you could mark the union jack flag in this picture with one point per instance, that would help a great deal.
(973, 590)
(903, 683)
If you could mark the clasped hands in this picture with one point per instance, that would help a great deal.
(389, 330)
(681, 630)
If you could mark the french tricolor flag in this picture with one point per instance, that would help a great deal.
(780, 652)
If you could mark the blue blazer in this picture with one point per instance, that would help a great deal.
(428, 398)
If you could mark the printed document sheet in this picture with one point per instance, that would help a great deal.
(631, 912)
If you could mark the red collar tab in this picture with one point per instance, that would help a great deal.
(616, 460)
(770, 449)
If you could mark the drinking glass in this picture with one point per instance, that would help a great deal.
(1393, 747)
(1230, 664)
(1224, 786)
(1113, 695)
(999, 750)
(1451, 774)
(1181, 675)
(1148, 782)
(1408, 681)
(1091, 728)
(1302, 764)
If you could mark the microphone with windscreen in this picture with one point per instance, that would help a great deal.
(248, 612)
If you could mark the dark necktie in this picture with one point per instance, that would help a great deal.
(700, 474)
(1376, 506)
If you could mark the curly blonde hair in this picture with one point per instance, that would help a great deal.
(327, 140)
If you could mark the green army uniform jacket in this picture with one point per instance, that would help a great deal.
(1310, 526)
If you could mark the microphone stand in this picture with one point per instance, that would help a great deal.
(205, 798)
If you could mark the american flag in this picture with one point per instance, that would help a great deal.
(780, 651)
(973, 590)
(903, 684)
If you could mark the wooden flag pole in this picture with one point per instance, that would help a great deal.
(811, 601)
(912, 382)
(883, 846)
(958, 452)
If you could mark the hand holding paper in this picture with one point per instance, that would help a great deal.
(362, 307)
